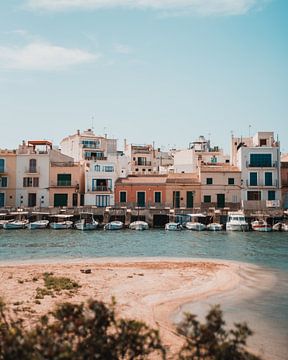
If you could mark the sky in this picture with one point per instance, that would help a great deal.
(162, 71)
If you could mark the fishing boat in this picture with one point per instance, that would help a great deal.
(139, 225)
(39, 223)
(3, 219)
(214, 227)
(173, 226)
(194, 223)
(86, 222)
(236, 221)
(114, 225)
(61, 221)
(280, 226)
(20, 221)
(261, 225)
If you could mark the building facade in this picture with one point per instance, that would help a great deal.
(7, 178)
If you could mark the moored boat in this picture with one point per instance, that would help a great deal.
(86, 222)
(194, 223)
(261, 225)
(214, 227)
(114, 225)
(173, 226)
(15, 224)
(139, 225)
(39, 224)
(280, 226)
(236, 221)
(61, 222)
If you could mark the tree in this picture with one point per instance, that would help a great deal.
(211, 341)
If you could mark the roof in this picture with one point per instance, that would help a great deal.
(135, 180)
(40, 142)
(221, 168)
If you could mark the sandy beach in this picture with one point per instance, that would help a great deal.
(148, 289)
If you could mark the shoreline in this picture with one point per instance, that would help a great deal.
(149, 289)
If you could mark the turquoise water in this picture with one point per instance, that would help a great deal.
(267, 250)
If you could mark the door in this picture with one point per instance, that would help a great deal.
(2, 200)
(31, 199)
(189, 199)
(220, 200)
(60, 200)
(141, 198)
(75, 200)
(176, 199)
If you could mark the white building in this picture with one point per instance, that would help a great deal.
(100, 178)
(199, 153)
(87, 146)
(258, 159)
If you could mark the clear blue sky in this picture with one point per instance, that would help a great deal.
(158, 70)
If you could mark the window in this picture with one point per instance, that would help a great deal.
(32, 166)
(97, 168)
(63, 179)
(231, 181)
(207, 198)
(108, 168)
(176, 199)
(102, 200)
(271, 195)
(30, 182)
(2, 165)
(254, 195)
(3, 181)
(32, 199)
(209, 181)
(268, 179)
(253, 179)
(263, 142)
(260, 160)
(157, 197)
(141, 198)
(123, 197)
(91, 144)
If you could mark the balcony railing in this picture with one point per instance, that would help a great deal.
(101, 188)
(272, 164)
(64, 183)
(274, 183)
(140, 163)
(32, 170)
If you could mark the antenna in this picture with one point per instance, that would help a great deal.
(92, 122)
(249, 130)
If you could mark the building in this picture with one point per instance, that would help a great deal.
(142, 159)
(199, 153)
(87, 146)
(258, 159)
(7, 178)
(284, 180)
(220, 186)
(100, 178)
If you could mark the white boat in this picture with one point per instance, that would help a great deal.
(139, 225)
(114, 225)
(280, 226)
(260, 225)
(61, 222)
(3, 219)
(214, 227)
(195, 225)
(173, 226)
(236, 221)
(15, 224)
(39, 224)
(86, 222)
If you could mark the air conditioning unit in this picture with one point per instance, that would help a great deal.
(272, 203)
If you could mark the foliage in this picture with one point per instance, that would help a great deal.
(211, 341)
(74, 332)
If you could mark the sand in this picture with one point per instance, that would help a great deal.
(146, 289)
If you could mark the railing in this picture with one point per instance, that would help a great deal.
(95, 158)
(101, 188)
(273, 164)
(32, 170)
(64, 183)
(64, 164)
(274, 183)
(140, 163)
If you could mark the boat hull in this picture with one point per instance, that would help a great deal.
(42, 224)
(14, 225)
(237, 227)
(173, 226)
(61, 225)
(114, 225)
(86, 226)
(195, 226)
(139, 225)
(214, 227)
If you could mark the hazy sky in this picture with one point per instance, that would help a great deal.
(146, 70)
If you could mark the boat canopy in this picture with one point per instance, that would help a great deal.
(197, 215)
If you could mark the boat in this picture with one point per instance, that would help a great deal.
(214, 227)
(114, 225)
(20, 221)
(38, 224)
(280, 226)
(261, 225)
(61, 222)
(173, 226)
(236, 221)
(139, 225)
(15, 224)
(194, 223)
(3, 219)
(86, 222)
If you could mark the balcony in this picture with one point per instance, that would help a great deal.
(273, 164)
(262, 184)
(32, 170)
(101, 188)
(64, 183)
(140, 163)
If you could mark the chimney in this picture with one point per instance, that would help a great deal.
(78, 132)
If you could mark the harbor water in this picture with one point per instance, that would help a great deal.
(266, 312)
